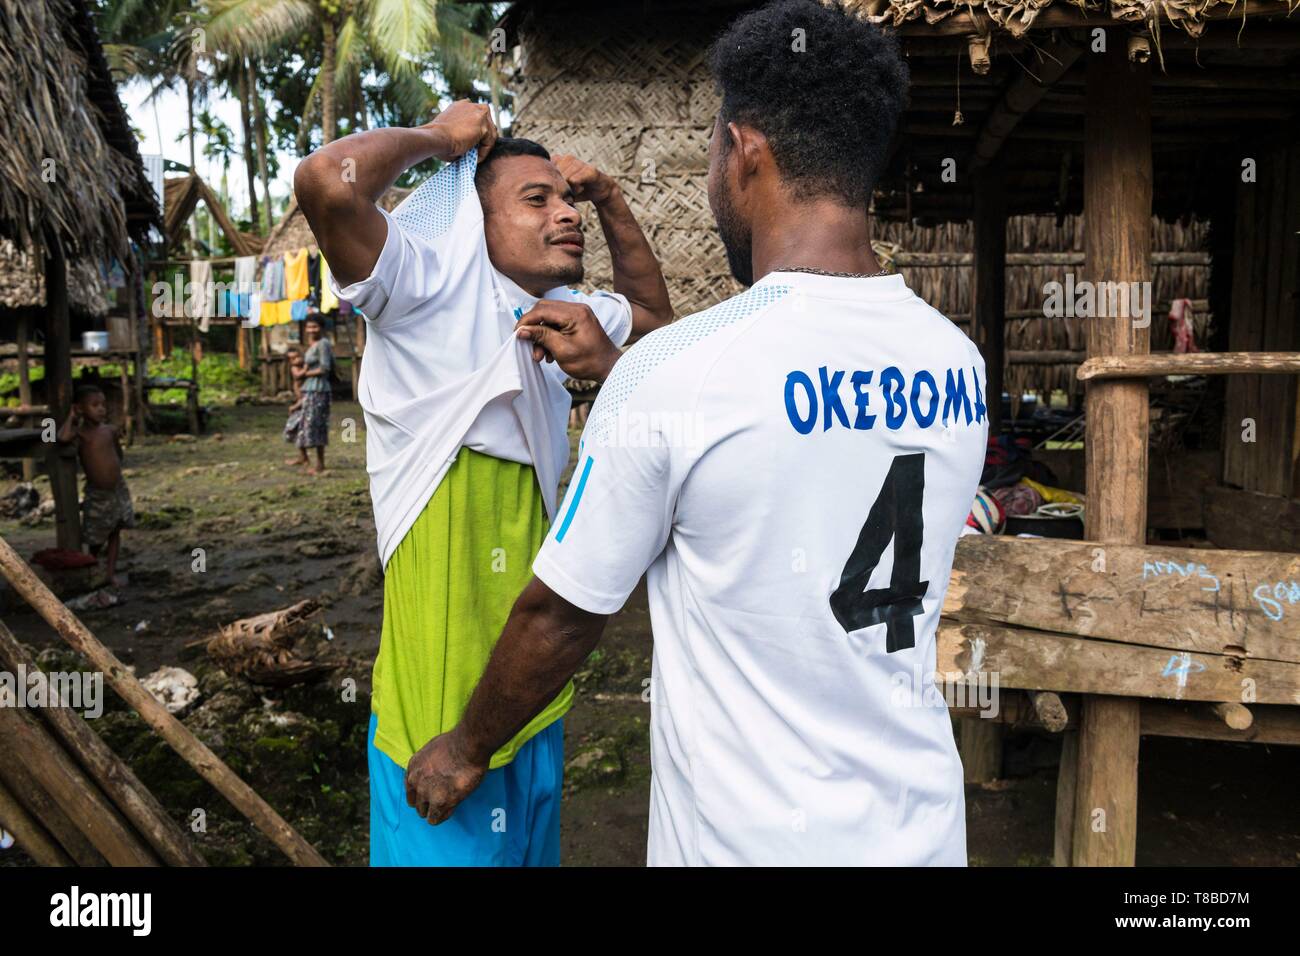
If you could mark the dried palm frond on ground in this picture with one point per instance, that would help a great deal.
(268, 648)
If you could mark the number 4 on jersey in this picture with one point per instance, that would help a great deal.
(895, 514)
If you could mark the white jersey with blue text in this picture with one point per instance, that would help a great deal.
(792, 467)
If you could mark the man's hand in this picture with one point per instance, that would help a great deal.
(440, 776)
(465, 126)
(588, 183)
(569, 334)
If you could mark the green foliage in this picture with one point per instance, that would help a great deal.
(221, 380)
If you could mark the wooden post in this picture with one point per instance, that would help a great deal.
(241, 347)
(139, 332)
(24, 384)
(1117, 248)
(989, 289)
(1265, 314)
(58, 394)
(980, 745)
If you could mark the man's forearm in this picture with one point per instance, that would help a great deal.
(366, 164)
(540, 648)
(637, 274)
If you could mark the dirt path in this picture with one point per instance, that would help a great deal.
(269, 536)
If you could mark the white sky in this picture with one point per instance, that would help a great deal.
(167, 113)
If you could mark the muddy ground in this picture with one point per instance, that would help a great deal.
(271, 537)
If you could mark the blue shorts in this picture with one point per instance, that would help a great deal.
(512, 819)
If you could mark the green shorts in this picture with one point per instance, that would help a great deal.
(448, 589)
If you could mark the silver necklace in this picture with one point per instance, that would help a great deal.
(838, 275)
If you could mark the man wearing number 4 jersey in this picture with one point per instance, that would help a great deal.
(791, 469)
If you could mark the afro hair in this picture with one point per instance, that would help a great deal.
(825, 87)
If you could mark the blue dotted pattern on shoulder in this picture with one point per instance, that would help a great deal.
(431, 209)
(662, 344)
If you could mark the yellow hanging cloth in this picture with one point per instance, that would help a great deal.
(329, 302)
(295, 275)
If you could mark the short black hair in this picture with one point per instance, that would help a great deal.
(828, 98)
(503, 147)
(84, 392)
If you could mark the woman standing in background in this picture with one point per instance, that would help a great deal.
(315, 374)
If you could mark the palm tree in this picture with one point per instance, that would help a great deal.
(395, 34)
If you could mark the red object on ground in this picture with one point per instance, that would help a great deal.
(62, 559)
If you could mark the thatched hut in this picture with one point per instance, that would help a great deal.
(72, 189)
(292, 233)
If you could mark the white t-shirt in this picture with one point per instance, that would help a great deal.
(793, 467)
(442, 367)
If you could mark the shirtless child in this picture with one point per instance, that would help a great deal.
(294, 421)
(106, 507)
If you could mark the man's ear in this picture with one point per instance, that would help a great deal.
(747, 146)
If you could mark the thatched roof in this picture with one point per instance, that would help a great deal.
(1017, 17)
(292, 233)
(69, 164)
(181, 194)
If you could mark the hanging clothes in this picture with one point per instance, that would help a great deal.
(202, 297)
(254, 317)
(295, 275)
(329, 302)
(245, 284)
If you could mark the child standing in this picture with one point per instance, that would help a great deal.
(293, 424)
(106, 505)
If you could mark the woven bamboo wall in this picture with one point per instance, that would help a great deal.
(632, 94)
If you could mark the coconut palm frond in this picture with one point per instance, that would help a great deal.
(402, 32)
(257, 26)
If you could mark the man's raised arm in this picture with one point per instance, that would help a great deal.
(637, 274)
(338, 185)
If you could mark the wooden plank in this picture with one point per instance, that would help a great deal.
(42, 806)
(1248, 519)
(1243, 603)
(72, 790)
(1195, 363)
(1020, 98)
(1038, 660)
(122, 786)
(1272, 725)
(1260, 413)
(31, 837)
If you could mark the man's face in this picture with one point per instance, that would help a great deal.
(534, 234)
(94, 408)
(734, 228)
